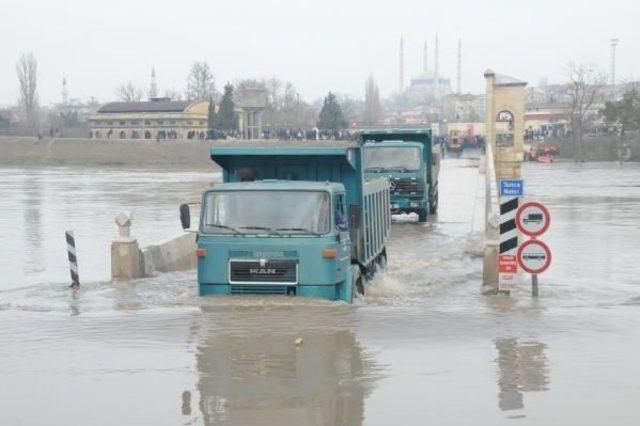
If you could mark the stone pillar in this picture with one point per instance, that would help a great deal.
(126, 258)
(505, 134)
(241, 124)
(490, 116)
(505, 122)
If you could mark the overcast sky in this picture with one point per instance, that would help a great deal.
(319, 45)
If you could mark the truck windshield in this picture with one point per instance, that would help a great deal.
(391, 158)
(271, 212)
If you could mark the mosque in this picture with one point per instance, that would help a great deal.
(430, 85)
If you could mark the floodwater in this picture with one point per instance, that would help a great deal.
(423, 347)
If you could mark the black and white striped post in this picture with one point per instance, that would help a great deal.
(73, 260)
(508, 229)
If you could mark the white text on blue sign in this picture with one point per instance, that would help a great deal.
(511, 187)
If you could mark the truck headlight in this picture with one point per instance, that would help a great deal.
(329, 253)
(414, 204)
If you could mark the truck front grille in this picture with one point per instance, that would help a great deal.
(258, 289)
(270, 272)
(406, 186)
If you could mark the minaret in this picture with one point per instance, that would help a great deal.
(436, 73)
(459, 76)
(401, 77)
(65, 92)
(425, 59)
(153, 89)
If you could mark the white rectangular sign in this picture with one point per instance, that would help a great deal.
(507, 281)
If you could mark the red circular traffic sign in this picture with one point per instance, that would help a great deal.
(533, 219)
(534, 256)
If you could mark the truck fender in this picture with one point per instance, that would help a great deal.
(358, 280)
(349, 287)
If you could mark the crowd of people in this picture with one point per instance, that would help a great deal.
(286, 134)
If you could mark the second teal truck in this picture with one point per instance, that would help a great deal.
(411, 161)
(294, 219)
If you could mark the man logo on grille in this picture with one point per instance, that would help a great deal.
(392, 185)
(262, 271)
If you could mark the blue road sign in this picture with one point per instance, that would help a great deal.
(511, 187)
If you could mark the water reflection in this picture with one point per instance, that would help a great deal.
(522, 367)
(249, 374)
(32, 190)
(186, 403)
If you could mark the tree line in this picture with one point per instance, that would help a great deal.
(285, 108)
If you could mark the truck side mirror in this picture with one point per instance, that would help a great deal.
(355, 214)
(185, 216)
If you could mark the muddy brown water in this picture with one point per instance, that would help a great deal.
(423, 347)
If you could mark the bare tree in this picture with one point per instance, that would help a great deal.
(27, 70)
(249, 83)
(585, 89)
(273, 86)
(127, 92)
(353, 109)
(200, 83)
(372, 113)
(173, 94)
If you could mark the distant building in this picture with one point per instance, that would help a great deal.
(159, 118)
(423, 88)
(162, 118)
(456, 107)
(548, 122)
(250, 104)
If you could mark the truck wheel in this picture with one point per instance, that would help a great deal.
(359, 285)
(433, 206)
(422, 215)
(382, 262)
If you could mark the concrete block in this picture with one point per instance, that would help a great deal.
(490, 269)
(126, 261)
(173, 255)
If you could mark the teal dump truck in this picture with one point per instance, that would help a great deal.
(411, 162)
(293, 219)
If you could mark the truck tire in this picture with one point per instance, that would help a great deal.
(422, 215)
(433, 204)
(382, 262)
(359, 284)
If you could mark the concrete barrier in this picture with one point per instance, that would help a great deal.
(173, 255)
(128, 261)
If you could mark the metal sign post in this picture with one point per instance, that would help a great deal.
(510, 191)
(534, 256)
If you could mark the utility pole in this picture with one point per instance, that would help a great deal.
(401, 77)
(153, 89)
(64, 113)
(614, 43)
(459, 76)
(436, 76)
(425, 59)
(65, 92)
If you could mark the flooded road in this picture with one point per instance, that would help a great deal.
(423, 347)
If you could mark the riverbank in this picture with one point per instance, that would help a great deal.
(26, 151)
(600, 147)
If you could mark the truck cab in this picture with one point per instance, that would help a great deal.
(290, 220)
(454, 144)
(411, 162)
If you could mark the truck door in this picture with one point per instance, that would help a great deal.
(341, 224)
